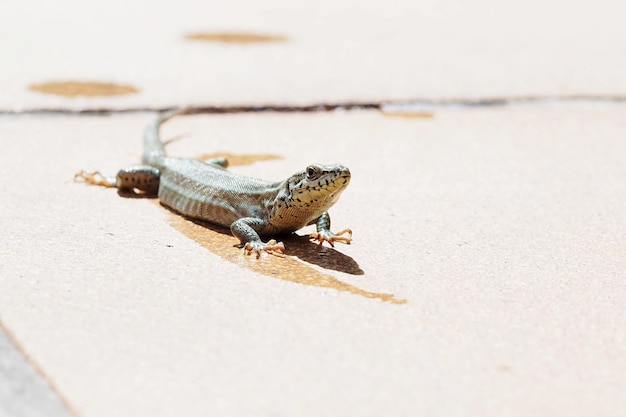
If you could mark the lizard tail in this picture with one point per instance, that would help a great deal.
(153, 148)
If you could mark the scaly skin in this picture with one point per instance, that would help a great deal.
(250, 207)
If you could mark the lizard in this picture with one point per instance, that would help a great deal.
(250, 207)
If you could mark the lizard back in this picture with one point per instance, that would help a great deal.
(211, 193)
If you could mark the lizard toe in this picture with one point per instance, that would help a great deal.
(270, 247)
(330, 237)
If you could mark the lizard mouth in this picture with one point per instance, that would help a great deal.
(342, 173)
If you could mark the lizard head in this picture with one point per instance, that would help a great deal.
(309, 193)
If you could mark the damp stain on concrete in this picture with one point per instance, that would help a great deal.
(409, 114)
(72, 89)
(235, 37)
(234, 160)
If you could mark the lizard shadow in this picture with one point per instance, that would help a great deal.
(322, 256)
(135, 194)
(302, 248)
(295, 267)
(297, 245)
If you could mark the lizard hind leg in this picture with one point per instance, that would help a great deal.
(221, 161)
(95, 178)
(142, 178)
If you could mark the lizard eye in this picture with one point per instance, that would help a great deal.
(312, 172)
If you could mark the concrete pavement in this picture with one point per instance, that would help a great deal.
(486, 275)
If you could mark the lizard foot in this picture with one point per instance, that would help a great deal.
(257, 246)
(94, 178)
(330, 237)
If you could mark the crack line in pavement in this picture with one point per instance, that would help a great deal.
(326, 107)
(25, 389)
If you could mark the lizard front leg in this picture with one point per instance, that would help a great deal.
(246, 230)
(325, 235)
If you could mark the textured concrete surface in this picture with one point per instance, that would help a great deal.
(504, 231)
(327, 51)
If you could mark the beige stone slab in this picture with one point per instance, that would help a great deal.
(333, 51)
(504, 231)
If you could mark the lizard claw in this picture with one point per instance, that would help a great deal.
(257, 246)
(94, 178)
(326, 235)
